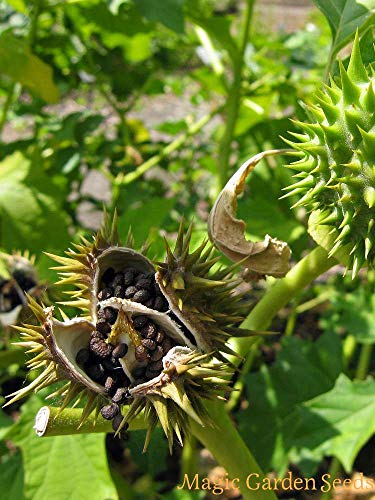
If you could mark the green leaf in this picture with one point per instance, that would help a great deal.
(11, 477)
(339, 422)
(155, 460)
(18, 5)
(302, 371)
(353, 313)
(345, 17)
(168, 12)
(18, 63)
(31, 216)
(64, 466)
(219, 29)
(143, 219)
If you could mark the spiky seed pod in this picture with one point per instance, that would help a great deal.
(17, 276)
(337, 170)
(140, 350)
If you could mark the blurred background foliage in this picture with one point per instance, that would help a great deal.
(149, 107)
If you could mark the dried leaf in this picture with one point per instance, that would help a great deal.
(269, 257)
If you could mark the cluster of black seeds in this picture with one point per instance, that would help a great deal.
(133, 285)
(100, 359)
(154, 345)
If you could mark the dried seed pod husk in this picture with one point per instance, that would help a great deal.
(203, 312)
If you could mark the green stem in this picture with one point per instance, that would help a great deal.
(364, 361)
(189, 459)
(228, 448)
(6, 107)
(50, 422)
(349, 347)
(233, 102)
(285, 289)
(167, 150)
(333, 472)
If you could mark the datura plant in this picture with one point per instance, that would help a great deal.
(152, 337)
(18, 276)
(337, 170)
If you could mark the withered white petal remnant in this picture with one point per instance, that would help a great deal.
(269, 257)
(147, 336)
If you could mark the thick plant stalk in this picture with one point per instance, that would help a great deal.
(302, 274)
(227, 446)
(50, 422)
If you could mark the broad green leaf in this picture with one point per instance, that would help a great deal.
(345, 17)
(353, 313)
(154, 461)
(5, 423)
(19, 64)
(18, 5)
(11, 477)
(302, 371)
(219, 29)
(337, 423)
(168, 12)
(143, 219)
(31, 216)
(64, 466)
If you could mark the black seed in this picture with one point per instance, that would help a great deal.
(110, 315)
(139, 322)
(159, 337)
(144, 283)
(166, 345)
(103, 327)
(105, 294)
(140, 276)
(100, 348)
(160, 304)
(129, 292)
(110, 411)
(156, 366)
(120, 395)
(120, 350)
(119, 292)
(141, 296)
(118, 280)
(157, 290)
(157, 354)
(149, 331)
(108, 275)
(129, 276)
(140, 353)
(149, 303)
(83, 356)
(139, 372)
(101, 313)
(151, 372)
(116, 422)
(110, 385)
(113, 366)
(95, 372)
(149, 344)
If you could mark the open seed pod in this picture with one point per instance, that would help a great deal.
(17, 277)
(143, 328)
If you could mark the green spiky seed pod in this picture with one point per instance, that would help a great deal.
(337, 170)
(147, 335)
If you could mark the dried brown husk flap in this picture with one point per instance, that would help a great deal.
(262, 258)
